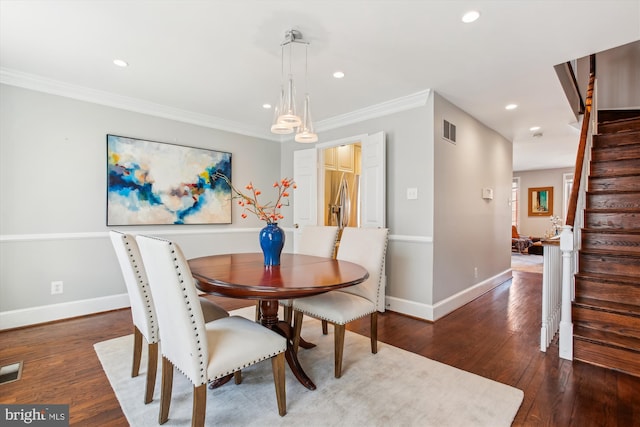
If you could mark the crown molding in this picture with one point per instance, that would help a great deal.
(55, 87)
(408, 102)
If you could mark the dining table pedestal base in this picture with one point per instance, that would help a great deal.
(269, 319)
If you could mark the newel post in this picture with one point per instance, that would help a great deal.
(566, 325)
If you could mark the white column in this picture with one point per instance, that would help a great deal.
(551, 291)
(566, 325)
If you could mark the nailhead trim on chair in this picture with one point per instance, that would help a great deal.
(203, 374)
(384, 261)
(315, 316)
(153, 330)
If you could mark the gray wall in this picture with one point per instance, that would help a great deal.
(437, 240)
(470, 232)
(53, 202)
(537, 226)
(409, 164)
(618, 76)
(53, 195)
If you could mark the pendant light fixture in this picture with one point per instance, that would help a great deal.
(286, 119)
(305, 132)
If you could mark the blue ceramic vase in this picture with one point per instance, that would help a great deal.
(271, 242)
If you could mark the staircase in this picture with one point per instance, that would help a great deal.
(606, 310)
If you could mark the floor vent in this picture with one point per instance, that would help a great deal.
(449, 131)
(10, 373)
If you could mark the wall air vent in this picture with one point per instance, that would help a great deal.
(449, 131)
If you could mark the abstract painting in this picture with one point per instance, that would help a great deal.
(541, 201)
(153, 183)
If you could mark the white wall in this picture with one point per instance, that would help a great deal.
(53, 200)
(537, 226)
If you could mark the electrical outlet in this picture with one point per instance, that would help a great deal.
(412, 193)
(57, 287)
(475, 272)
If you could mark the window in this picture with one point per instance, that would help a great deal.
(568, 186)
(515, 202)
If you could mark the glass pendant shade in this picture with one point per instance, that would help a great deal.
(286, 119)
(288, 116)
(277, 127)
(305, 131)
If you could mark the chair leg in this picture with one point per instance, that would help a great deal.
(258, 311)
(374, 332)
(165, 393)
(297, 327)
(288, 314)
(237, 377)
(137, 351)
(277, 363)
(152, 368)
(325, 330)
(199, 405)
(339, 344)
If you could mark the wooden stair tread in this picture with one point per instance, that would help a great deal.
(613, 192)
(608, 306)
(622, 175)
(612, 210)
(627, 131)
(607, 338)
(608, 252)
(609, 278)
(610, 231)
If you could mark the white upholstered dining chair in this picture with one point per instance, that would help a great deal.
(363, 246)
(143, 313)
(202, 352)
(316, 240)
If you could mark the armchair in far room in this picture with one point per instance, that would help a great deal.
(519, 243)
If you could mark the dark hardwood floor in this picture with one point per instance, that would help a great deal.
(496, 336)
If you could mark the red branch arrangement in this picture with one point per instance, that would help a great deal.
(269, 211)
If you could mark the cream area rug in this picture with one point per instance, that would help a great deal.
(391, 388)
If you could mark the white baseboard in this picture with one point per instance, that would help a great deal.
(410, 308)
(48, 313)
(442, 308)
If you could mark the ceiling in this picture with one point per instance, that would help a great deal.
(217, 62)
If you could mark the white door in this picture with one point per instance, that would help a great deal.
(373, 186)
(305, 197)
(373, 181)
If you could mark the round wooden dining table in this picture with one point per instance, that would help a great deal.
(244, 275)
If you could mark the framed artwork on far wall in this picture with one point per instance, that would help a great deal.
(153, 183)
(541, 201)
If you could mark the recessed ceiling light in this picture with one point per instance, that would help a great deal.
(511, 106)
(470, 16)
(266, 106)
(534, 128)
(338, 74)
(120, 63)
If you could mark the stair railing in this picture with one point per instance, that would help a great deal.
(571, 236)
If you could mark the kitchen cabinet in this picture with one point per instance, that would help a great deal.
(342, 158)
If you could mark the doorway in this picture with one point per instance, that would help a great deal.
(311, 204)
(342, 166)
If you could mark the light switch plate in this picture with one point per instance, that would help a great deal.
(412, 193)
(487, 193)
